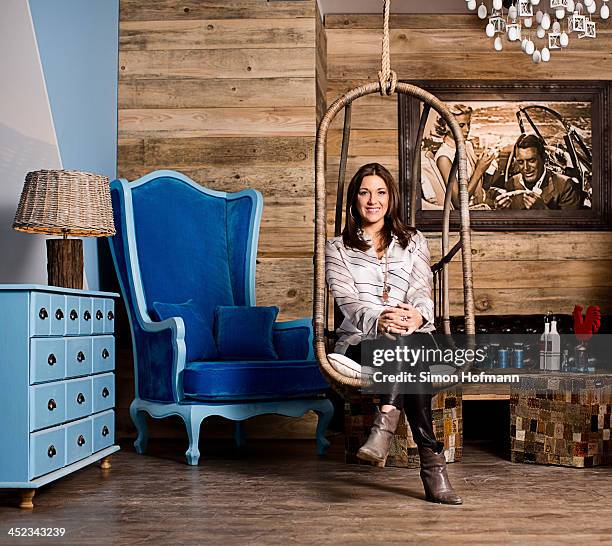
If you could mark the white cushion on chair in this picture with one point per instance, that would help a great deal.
(348, 367)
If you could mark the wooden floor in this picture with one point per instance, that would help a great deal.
(280, 493)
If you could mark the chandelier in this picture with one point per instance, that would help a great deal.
(537, 28)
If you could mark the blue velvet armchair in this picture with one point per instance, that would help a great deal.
(177, 242)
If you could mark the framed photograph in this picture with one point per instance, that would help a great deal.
(538, 154)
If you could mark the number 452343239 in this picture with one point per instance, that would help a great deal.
(37, 531)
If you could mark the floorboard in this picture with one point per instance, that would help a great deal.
(274, 492)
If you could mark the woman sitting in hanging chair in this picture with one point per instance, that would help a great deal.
(379, 273)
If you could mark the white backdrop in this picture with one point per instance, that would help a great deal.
(27, 140)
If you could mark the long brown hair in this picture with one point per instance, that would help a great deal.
(393, 223)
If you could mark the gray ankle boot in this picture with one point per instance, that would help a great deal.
(435, 479)
(379, 441)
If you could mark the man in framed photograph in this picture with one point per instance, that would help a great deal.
(535, 186)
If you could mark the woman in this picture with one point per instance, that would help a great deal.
(476, 167)
(379, 273)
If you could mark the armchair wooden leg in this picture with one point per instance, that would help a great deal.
(139, 418)
(239, 434)
(325, 412)
(27, 496)
(193, 432)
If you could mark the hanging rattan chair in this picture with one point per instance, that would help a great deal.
(387, 84)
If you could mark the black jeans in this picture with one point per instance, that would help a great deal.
(417, 407)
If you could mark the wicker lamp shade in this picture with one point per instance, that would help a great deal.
(65, 203)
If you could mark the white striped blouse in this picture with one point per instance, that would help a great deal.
(356, 278)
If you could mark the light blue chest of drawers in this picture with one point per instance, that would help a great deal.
(57, 383)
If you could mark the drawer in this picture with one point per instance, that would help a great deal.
(47, 405)
(47, 451)
(103, 430)
(79, 356)
(98, 315)
(47, 359)
(85, 316)
(40, 314)
(58, 315)
(103, 392)
(109, 316)
(79, 440)
(72, 316)
(103, 354)
(78, 398)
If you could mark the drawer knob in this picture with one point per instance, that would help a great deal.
(105, 354)
(51, 452)
(111, 315)
(105, 431)
(59, 314)
(51, 360)
(73, 314)
(80, 440)
(80, 398)
(87, 315)
(51, 404)
(99, 314)
(105, 393)
(80, 356)
(43, 313)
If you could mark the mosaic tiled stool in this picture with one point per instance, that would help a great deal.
(561, 420)
(359, 411)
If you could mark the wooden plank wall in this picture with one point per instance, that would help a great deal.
(226, 92)
(513, 272)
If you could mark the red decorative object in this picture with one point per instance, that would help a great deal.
(585, 327)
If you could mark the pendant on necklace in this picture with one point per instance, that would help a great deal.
(385, 294)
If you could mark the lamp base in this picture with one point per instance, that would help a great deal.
(65, 263)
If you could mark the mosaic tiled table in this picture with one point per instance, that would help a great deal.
(359, 411)
(561, 419)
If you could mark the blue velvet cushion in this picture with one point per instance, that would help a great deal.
(241, 380)
(199, 340)
(245, 333)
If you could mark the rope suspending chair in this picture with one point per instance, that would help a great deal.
(387, 84)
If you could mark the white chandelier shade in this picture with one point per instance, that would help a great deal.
(557, 23)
